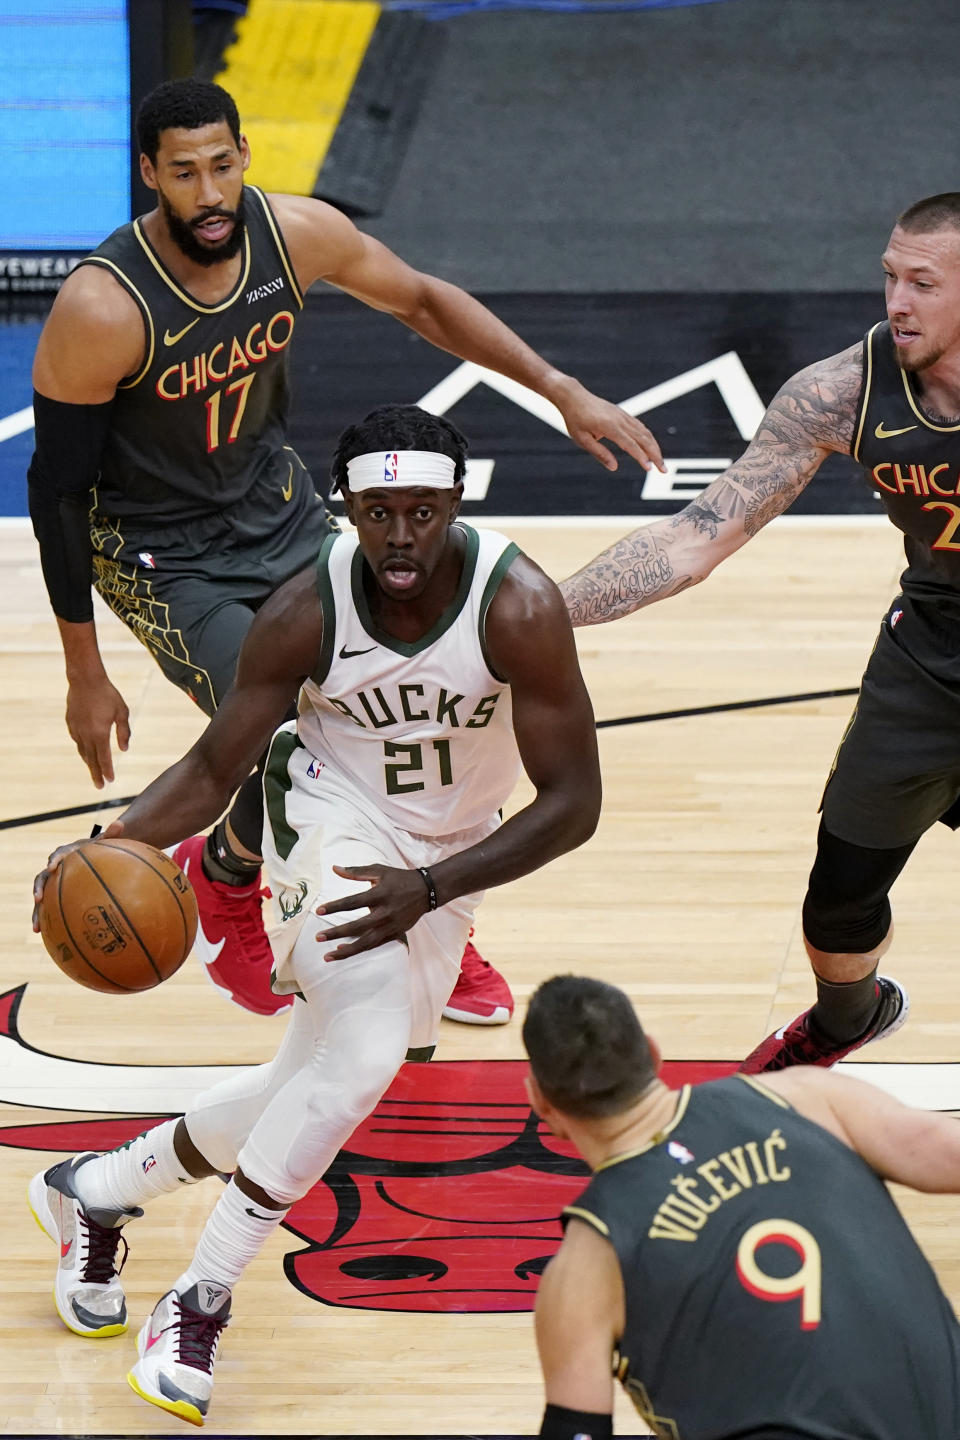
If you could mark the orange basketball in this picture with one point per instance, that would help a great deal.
(118, 916)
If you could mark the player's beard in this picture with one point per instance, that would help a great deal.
(183, 236)
(912, 364)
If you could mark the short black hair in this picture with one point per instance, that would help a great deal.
(183, 105)
(587, 1049)
(936, 212)
(399, 427)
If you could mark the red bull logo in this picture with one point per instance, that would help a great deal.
(446, 1199)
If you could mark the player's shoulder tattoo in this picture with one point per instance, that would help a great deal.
(820, 403)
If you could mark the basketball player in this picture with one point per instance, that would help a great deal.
(894, 404)
(737, 1250)
(434, 660)
(161, 388)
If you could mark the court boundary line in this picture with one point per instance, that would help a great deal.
(722, 707)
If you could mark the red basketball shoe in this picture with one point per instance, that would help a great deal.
(231, 942)
(795, 1044)
(481, 996)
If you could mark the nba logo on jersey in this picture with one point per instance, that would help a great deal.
(147, 559)
(390, 467)
(680, 1153)
(149, 1163)
(314, 768)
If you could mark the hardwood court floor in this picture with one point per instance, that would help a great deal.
(688, 896)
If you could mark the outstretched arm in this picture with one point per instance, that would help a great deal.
(279, 651)
(920, 1148)
(325, 245)
(813, 415)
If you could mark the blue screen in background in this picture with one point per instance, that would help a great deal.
(18, 341)
(64, 123)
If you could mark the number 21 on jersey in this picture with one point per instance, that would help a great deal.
(803, 1284)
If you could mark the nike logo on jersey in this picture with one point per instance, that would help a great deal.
(346, 654)
(287, 490)
(884, 434)
(169, 339)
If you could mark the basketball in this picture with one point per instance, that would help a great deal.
(118, 916)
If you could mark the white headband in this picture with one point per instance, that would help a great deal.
(383, 468)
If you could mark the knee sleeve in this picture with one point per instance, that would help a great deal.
(219, 1119)
(360, 1010)
(846, 909)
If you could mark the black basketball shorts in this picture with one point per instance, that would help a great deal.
(189, 592)
(897, 770)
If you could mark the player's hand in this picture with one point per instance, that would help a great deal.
(590, 420)
(394, 902)
(56, 860)
(93, 709)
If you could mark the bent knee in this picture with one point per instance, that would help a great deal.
(845, 927)
(846, 909)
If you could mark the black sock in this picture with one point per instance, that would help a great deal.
(844, 1011)
(222, 864)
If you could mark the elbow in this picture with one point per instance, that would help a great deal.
(692, 569)
(418, 309)
(587, 831)
(584, 817)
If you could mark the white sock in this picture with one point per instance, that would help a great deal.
(233, 1236)
(137, 1171)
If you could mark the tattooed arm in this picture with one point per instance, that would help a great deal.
(813, 415)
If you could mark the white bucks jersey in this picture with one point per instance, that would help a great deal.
(425, 728)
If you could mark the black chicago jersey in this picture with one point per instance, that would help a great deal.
(203, 421)
(772, 1288)
(914, 464)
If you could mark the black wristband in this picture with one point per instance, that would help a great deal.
(427, 879)
(559, 1423)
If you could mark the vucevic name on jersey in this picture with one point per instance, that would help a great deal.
(203, 420)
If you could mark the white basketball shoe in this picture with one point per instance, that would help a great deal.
(178, 1348)
(87, 1291)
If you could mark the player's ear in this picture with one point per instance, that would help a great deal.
(656, 1054)
(349, 502)
(456, 496)
(244, 153)
(147, 173)
(539, 1103)
(542, 1108)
